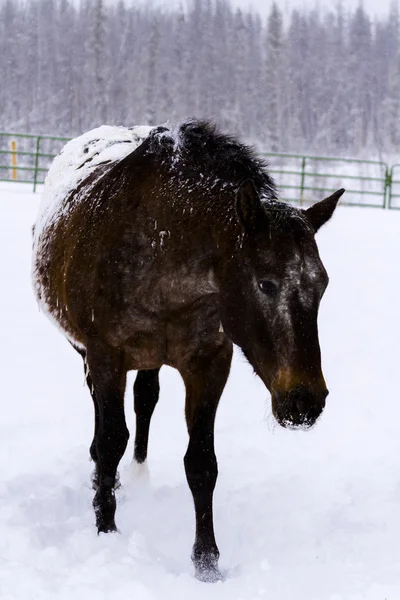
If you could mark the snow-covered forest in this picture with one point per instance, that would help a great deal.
(309, 81)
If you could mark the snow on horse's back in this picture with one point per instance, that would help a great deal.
(80, 157)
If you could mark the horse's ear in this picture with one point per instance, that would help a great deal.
(321, 212)
(248, 205)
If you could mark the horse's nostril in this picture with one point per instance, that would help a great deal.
(301, 405)
(301, 399)
(309, 405)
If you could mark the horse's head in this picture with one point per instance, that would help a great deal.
(271, 289)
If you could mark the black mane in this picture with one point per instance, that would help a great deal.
(198, 147)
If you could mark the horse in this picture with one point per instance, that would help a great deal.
(165, 246)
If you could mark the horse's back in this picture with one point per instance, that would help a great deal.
(79, 160)
(65, 220)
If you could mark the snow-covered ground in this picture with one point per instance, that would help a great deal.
(299, 515)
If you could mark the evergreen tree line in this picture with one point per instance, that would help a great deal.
(312, 81)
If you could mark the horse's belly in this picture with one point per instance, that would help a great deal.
(146, 350)
(152, 341)
(48, 276)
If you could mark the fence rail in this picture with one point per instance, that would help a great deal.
(301, 179)
(32, 157)
(367, 182)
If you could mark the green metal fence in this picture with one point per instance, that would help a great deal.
(33, 156)
(305, 179)
(394, 188)
(300, 179)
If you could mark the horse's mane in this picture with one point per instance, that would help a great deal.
(199, 148)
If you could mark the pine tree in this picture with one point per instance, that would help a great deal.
(274, 77)
(360, 76)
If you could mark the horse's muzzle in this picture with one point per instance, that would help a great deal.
(299, 407)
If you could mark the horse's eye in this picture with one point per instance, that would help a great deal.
(268, 287)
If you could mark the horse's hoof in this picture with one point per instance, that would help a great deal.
(106, 527)
(206, 567)
(104, 505)
(208, 574)
(140, 471)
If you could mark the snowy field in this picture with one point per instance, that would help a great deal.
(298, 515)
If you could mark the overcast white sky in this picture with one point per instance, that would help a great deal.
(373, 7)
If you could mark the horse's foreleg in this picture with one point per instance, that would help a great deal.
(146, 391)
(204, 378)
(108, 377)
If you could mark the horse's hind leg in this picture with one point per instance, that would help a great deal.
(205, 377)
(92, 450)
(108, 374)
(146, 391)
(93, 445)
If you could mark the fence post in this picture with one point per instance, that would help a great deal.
(303, 176)
(36, 163)
(13, 160)
(387, 201)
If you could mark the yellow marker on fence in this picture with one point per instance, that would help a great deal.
(14, 160)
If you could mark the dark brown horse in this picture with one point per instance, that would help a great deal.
(170, 255)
